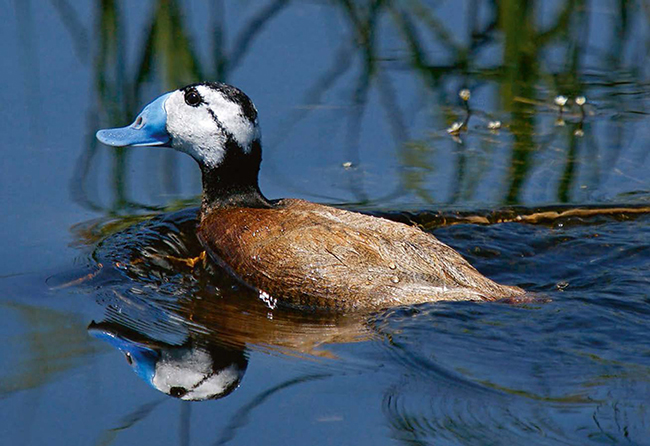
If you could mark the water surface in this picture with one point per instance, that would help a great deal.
(355, 101)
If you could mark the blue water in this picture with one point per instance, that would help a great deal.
(355, 100)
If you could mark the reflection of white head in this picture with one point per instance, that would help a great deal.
(190, 374)
(204, 120)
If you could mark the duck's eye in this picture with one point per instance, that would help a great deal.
(129, 358)
(192, 98)
(178, 392)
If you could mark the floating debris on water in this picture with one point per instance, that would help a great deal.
(455, 128)
(561, 286)
(494, 125)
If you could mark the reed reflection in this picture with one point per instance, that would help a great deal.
(519, 53)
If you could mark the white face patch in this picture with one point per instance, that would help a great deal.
(195, 131)
(192, 371)
(231, 116)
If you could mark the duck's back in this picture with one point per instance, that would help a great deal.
(317, 255)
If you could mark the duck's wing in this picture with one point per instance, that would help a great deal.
(319, 255)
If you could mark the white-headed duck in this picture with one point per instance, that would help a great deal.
(293, 250)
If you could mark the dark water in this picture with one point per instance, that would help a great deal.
(355, 99)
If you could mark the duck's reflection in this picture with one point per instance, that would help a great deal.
(210, 359)
(191, 371)
(187, 330)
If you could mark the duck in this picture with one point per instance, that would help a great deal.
(293, 251)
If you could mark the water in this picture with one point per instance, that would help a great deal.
(355, 100)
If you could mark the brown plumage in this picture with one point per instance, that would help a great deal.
(294, 250)
(317, 255)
